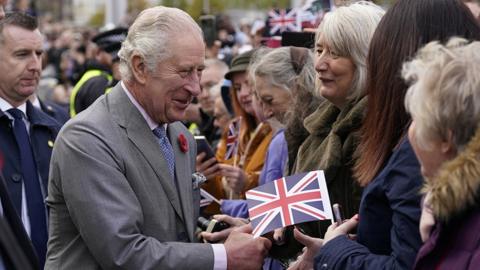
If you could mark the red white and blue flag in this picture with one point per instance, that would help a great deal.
(233, 134)
(281, 20)
(290, 200)
(207, 198)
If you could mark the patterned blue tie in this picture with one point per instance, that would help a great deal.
(166, 148)
(35, 204)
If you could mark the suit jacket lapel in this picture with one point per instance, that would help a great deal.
(139, 133)
(184, 176)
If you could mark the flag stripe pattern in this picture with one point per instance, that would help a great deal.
(205, 198)
(232, 138)
(287, 201)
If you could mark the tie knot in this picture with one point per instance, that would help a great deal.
(16, 113)
(160, 132)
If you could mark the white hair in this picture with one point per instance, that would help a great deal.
(275, 66)
(149, 35)
(348, 31)
(444, 95)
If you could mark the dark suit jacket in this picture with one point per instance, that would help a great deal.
(16, 248)
(113, 203)
(43, 131)
(55, 111)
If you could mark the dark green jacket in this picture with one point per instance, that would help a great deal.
(329, 147)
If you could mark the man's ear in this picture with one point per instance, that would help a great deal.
(139, 69)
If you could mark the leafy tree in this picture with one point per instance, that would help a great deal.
(98, 18)
(135, 6)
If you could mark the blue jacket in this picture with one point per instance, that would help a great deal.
(388, 235)
(43, 131)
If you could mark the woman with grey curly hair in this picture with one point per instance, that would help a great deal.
(444, 102)
(279, 78)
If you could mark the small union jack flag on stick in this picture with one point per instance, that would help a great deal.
(290, 200)
(232, 138)
(207, 198)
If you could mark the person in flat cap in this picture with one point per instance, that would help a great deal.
(232, 172)
(101, 73)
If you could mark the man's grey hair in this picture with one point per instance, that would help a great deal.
(444, 95)
(348, 31)
(149, 36)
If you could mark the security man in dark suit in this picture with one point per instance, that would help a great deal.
(98, 78)
(16, 250)
(27, 134)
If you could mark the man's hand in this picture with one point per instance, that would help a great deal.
(222, 235)
(312, 246)
(244, 251)
(335, 229)
(209, 168)
(236, 177)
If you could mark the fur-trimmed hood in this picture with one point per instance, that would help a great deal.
(456, 187)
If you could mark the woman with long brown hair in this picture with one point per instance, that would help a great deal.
(387, 233)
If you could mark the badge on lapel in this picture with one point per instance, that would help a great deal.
(182, 142)
(50, 143)
(197, 180)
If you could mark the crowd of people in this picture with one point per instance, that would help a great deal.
(100, 169)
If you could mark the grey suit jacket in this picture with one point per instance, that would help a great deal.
(113, 203)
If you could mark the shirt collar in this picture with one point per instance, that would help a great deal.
(36, 103)
(151, 124)
(4, 106)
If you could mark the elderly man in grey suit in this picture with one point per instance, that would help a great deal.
(121, 193)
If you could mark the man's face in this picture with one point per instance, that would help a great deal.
(21, 63)
(211, 76)
(169, 90)
(220, 114)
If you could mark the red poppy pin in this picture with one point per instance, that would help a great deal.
(182, 141)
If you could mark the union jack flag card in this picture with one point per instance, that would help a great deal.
(290, 200)
(232, 138)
